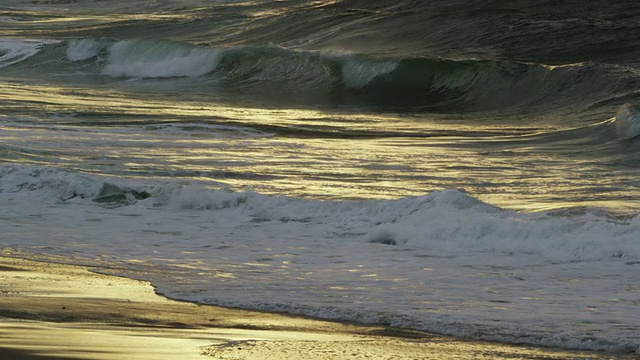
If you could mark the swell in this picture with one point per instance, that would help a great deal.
(336, 78)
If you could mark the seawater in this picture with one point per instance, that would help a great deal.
(467, 169)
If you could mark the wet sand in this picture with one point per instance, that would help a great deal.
(54, 311)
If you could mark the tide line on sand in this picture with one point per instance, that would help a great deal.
(55, 311)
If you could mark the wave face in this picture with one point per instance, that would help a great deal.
(309, 150)
(334, 78)
(627, 122)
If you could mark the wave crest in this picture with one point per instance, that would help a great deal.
(13, 51)
(79, 50)
(627, 122)
(149, 58)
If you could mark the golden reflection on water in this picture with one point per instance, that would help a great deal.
(284, 10)
(355, 156)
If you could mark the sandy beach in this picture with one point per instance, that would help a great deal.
(56, 311)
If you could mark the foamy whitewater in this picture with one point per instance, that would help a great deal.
(469, 170)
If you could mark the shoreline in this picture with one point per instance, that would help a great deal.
(53, 311)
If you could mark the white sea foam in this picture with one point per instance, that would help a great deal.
(627, 122)
(13, 51)
(444, 262)
(149, 58)
(79, 50)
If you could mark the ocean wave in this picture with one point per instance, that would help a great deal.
(413, 82)
(448, 221)
(149, 58)
(337, 78)
(627, 122)
(79, 50)
(13, 51)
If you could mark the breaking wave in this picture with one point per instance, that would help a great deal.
(441, 221)
(159, 59)
(343, 78)
(627, 122)
(13, 51)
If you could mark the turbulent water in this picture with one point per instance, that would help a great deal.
(467, 168)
